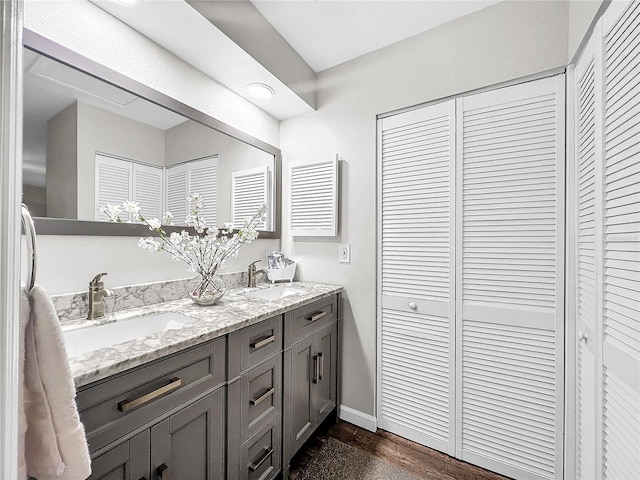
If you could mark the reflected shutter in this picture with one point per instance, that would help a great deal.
(113, 185)
(203, 179)
(177, 191)
(249, 191)
(147, 189)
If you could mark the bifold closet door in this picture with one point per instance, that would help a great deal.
(588, 252)
(416, 308)
(621, 244)
(510, 279)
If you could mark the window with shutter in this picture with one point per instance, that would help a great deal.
(313, 188)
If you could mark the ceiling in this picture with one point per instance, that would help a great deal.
(326, 33)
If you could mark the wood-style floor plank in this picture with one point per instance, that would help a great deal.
(411, 457)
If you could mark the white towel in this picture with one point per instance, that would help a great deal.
(55, 442)
(25, 312)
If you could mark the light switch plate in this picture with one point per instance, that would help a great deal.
(344, 253)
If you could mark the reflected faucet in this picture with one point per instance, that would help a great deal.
(252, 273)
(97, 293)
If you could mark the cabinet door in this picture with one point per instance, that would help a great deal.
(325, 372)
(190, 443)
(302, 416)
(127, 461)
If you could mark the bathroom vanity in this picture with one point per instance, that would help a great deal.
(233, 394)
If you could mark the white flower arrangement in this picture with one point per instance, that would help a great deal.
(206, 251)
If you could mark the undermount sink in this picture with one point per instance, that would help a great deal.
(275, 293)
(87, 339)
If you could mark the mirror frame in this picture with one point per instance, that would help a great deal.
(56, 226)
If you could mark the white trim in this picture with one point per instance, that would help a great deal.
(10, 187)
(358, 418)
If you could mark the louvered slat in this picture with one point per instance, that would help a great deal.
(249, 191)
(508, 290)
(621, 293)
(314, 198)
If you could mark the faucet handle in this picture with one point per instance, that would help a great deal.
(96, 279)
(253, 264)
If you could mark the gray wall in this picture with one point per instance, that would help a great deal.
(506, 41)
(106, 132)
(62, 163)
(581, 15)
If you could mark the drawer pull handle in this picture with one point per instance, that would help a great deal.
(126, 406)
(263, 342)
(320, 366)
(262, 397)
(163, 472)
(255, 466)
(317, 316)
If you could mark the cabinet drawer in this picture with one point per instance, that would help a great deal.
(251, 345)
(261, 396)
(309, 318)
(114, 407)
(260, 458)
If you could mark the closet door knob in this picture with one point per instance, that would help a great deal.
(413, 306)
(582, 337)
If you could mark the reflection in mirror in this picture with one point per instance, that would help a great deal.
(88, 143)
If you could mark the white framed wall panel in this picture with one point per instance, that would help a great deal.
(510, 279)
(416, 274)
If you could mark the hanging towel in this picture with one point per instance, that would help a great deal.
(25, 312)
(55, 442)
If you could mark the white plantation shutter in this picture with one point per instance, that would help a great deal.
(416, 327)
(249, 190)
(177, 191)
(588, 190)
(314, 198)
(621, 243)
(203, 179)
(147, 189)
(510, 279)
(113, 184)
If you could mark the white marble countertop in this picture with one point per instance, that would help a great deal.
(234, 311)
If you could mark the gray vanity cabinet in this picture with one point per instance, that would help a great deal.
(310, 371)
(160, 420)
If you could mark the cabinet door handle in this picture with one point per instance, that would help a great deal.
(126, 406)
(264, 396)
(163, 472)
(315, 369)
(317, 316)
(263, 342)
(320, 366)
(255, 466)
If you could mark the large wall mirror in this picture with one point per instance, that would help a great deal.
(93, 136)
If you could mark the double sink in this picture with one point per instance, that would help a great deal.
(88, 339)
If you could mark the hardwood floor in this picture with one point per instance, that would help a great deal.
(420, 461)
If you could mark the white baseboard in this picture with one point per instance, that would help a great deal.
(362, 420)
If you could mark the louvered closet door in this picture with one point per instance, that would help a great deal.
(203, 179)
(249, 190)
(621, 294)
(177, 191)
(416, 311)
(510, 279)
(588, 75)
(113, 184)
(147, 189)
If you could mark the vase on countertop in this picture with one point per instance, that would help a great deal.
(206, 288)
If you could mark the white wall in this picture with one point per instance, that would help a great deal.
(67, 263)
(503, 42)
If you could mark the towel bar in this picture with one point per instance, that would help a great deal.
(30, 234)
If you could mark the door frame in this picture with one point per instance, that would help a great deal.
(10, 194)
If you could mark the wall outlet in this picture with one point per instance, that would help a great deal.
(344, 253)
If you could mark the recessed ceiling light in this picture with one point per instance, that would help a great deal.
(260, 91)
